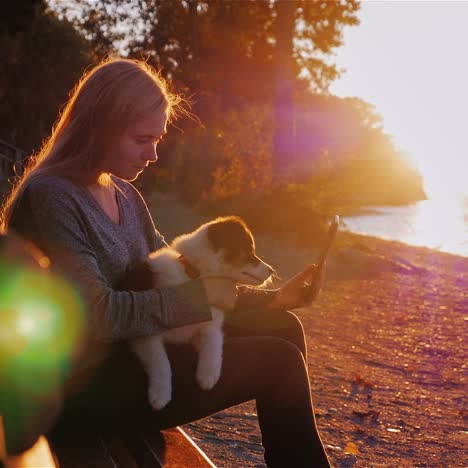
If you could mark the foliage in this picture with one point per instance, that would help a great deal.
(242, 153)
(191, 39)
(41, 61)
(257, 74)
(228, 156)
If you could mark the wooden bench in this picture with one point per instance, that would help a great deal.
(171, 448)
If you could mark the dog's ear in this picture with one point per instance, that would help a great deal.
(232, 235)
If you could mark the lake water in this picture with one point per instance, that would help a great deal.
(440, 223)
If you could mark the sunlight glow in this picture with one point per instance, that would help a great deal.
(408, 59)
(433, 222)
(436, 223)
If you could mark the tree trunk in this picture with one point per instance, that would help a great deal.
(284, 132)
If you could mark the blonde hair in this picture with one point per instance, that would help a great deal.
(106, 100)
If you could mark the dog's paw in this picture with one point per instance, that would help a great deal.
(159, 396)
(207, 378)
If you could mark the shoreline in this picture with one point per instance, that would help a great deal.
(417, 224)
(407, 244)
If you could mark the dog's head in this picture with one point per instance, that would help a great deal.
(224, 247)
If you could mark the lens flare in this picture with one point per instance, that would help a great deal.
(41, 322)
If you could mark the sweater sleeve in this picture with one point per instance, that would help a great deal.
(52, 220)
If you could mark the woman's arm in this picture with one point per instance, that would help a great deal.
(251, 297)
(52, 221)
(291, 295)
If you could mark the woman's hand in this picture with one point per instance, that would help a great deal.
(220, 292)
(292, 294)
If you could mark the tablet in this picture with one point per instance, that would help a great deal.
(332, 230)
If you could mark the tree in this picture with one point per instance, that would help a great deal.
(229, 54)
(285, 77)
(42, 58)
(305, 32)
(188, 39)
(17, 16)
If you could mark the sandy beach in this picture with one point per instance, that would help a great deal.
(387, 355)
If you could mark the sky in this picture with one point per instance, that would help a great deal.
(410, 59)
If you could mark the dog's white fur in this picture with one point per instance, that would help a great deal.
(207, 336)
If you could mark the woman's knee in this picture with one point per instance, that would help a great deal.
(291, 329)
(264, 322)
(284, 364)
(288, 354)
(261, 355)
(281, 356)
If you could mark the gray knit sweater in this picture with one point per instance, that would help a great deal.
(68, 225)
(84, 244)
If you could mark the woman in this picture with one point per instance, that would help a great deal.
(76, 203)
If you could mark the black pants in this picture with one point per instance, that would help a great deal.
(264, 360)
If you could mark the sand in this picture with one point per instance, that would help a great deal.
(387, 355)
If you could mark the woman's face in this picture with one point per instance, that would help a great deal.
(136, 147)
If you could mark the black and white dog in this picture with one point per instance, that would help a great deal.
(223, 247)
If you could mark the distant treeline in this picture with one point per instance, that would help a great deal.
(267, 131)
